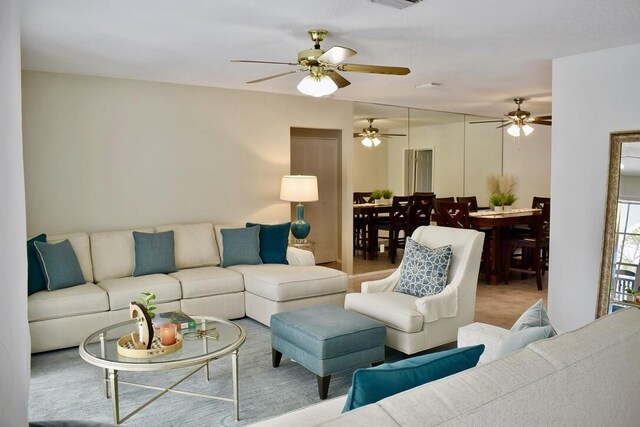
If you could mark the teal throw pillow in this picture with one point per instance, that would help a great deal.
(515, 340)
(155, 253)
(373, 384)
(59, 265)
(36, 281)
(424, 271)
(534, 316)
(274, 240)
(241, 246)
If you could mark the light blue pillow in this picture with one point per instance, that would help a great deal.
(515, 340)
(59, 265)
(154, 253)
(274, 240)
(534, 316)
(373, 384)
(241, 246)
(424, 270)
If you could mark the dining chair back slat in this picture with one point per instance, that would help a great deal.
(452, 214)
(472, 201)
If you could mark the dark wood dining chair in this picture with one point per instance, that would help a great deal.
(420, 211)
(437, 200)
(531, 250)
(472, 201)
(452, 214)
(396, 224)
(360, 223)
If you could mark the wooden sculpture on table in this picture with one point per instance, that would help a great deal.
(138, 311)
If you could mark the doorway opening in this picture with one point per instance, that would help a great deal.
(418, 170)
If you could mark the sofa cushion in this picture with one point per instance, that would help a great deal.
(154, 253)
(195, 245)
(126, 289)
(274, 240)
(394, 309)
(424, 270)
(205, 281)
(82, 249)
(82, 299)
(113, 253)
(278, 282)
(35, 278)
(241, 246)
(59, 264)
(373, 384)
(534, 316)
(516, 340)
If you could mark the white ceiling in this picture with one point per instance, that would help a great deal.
(484, 52)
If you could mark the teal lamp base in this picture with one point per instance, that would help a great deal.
(300, 228)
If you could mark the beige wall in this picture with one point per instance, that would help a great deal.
(108, 154)
(529, 160)
(594, 94)
(14, 334)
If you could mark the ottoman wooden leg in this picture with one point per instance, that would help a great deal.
(276, 357)
(323, 386)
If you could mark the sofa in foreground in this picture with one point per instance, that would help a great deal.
(587, 377)
(202, 284)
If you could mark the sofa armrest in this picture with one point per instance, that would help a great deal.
(383, 285)
(310, 415)
(482, 333)
(300, 257)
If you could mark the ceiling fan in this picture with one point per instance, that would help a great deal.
(323, 66)
(519, 120)
(371, 135)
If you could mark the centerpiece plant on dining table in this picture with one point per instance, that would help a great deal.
(382, 196)
(501, 190)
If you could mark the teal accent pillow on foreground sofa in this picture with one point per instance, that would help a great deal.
(59, 264)
(274, 240)
(155, 253)
(373, 384)
(36, 281)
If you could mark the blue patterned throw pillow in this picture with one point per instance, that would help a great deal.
(424, 270)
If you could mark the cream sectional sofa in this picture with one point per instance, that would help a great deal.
(587, 377)
(63, 318)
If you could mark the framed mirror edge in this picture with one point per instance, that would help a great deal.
(611, 212)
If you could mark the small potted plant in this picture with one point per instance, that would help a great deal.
(387, 195)
(497, 201)
(630, 294)
(382, 197)
(508, 200)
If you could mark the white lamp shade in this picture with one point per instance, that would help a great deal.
(514, 130)
(317, 86)
(376, 142)
(299, 188)
(527, 130)
(367, 142)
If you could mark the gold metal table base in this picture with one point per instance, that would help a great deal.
(112, 383)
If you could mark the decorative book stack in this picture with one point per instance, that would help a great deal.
(178, 317)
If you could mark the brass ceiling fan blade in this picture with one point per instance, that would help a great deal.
(263, 62)
(542, 117)
(545, 123)
(336, 55)
(391, 134)
(376, 69)
(356, 135)
(506, 124)
(487, 121)
(337, 78)
(272, 77)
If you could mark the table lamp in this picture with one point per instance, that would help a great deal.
(299, 188)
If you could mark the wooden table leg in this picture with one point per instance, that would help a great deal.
(496, 252)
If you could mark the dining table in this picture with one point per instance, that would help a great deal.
(371, 211)
(500, 223)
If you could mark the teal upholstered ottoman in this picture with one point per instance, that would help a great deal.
(326, 339)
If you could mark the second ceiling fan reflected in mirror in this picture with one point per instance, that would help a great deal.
(519, 121)
(371, 135)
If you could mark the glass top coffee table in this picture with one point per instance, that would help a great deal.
(212, 339)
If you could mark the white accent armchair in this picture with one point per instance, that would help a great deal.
(417, 324)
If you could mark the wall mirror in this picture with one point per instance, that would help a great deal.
(621, 244)
(429, 151)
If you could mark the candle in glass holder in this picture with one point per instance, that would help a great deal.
(168, 334)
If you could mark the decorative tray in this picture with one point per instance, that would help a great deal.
(126, 347)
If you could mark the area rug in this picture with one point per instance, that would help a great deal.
(65, 387)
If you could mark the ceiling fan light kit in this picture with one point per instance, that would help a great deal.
(371, 135)
(323, 66)
(518, 121)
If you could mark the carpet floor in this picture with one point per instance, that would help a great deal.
(65, 387)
